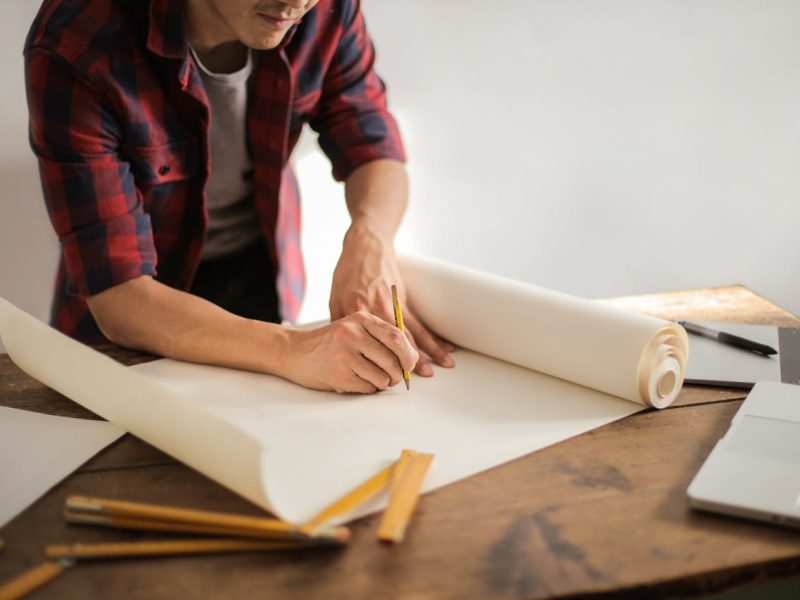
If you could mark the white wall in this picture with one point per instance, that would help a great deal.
(600, 147)
(28, 247)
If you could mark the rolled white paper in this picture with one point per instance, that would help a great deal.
(629, 355)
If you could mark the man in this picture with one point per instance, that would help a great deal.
(163, 130)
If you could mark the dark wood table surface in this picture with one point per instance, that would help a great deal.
(601, 514)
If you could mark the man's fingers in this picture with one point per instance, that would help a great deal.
(382, 357)
(357, 385)
(443, 343)
(423, 367)
(393, 340)
(428, 343)
(448, 346)
(370, 373)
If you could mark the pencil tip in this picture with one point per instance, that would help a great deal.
(408, 385)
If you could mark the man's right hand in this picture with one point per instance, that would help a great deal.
(357, 353)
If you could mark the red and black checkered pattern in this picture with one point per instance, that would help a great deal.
(119, 123)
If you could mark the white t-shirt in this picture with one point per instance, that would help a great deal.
(232, 218)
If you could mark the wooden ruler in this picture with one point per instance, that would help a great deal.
(403, 495)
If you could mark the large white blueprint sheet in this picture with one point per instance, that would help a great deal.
(293, 450)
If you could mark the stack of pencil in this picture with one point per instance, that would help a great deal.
(151, 517)
(232, 532)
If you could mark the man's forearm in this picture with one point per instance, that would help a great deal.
(358, 353)
(377, 196)
(150, 316)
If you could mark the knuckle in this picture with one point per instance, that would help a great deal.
(396, 337)
(346, 331)
(409, 356)
(385, 381)
(426, 336)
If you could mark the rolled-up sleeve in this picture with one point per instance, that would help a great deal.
(90, 194)
(353, 122)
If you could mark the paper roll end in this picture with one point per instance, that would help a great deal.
(663, 366)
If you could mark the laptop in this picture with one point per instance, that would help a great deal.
(754, 470)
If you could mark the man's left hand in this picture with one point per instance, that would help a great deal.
(362, 280)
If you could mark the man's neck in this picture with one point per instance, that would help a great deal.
(225, 58)
(214, 43)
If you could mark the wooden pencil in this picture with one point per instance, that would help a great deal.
(398, 321)
(32, 579)
(135, 515)
(351, 500)
(116, 550)
(121, 508)
(334, 535)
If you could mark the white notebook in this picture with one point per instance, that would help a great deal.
(712, 363)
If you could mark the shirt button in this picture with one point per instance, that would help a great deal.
(163, 169)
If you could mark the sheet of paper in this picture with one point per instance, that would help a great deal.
(293, 450)
(221, 450)
(37, 451)
(316, 446)
(714, 363)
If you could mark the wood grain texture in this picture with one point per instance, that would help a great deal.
(735, 304)
(602, 514)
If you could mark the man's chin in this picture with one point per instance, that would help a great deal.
(261, 40)
(264, 44)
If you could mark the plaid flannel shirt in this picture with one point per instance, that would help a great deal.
(119, 123)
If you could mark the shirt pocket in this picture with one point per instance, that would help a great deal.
(165, 163)
(167, 178)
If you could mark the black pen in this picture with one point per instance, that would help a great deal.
(728, 339)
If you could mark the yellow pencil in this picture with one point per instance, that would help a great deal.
(351, 500)
(398, 320)
(137, 515)
(32, 579)
(165, 548)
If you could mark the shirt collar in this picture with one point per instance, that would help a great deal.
(288, 37)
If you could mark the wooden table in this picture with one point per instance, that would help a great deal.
(604, 513)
